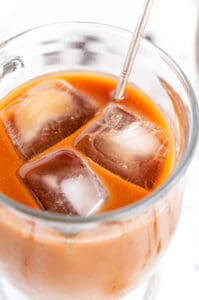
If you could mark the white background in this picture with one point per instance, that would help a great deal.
(172, 25)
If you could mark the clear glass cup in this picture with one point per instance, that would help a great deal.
(49, 256)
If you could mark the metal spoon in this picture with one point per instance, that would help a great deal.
(132, 51)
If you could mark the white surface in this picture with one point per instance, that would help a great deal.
(172, 25)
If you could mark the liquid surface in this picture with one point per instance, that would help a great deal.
(111, 141)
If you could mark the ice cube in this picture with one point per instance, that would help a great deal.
(46, 114)
(62, 182)
(126, 144)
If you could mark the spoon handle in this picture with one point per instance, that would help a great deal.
(132, 51)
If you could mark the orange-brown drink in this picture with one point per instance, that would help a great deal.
(91, 189)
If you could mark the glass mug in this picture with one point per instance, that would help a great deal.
(49, 256)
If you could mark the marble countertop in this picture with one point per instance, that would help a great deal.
(172, 26)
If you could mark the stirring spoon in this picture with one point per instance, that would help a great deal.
(132, 51)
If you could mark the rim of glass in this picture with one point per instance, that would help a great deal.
(159, 192)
